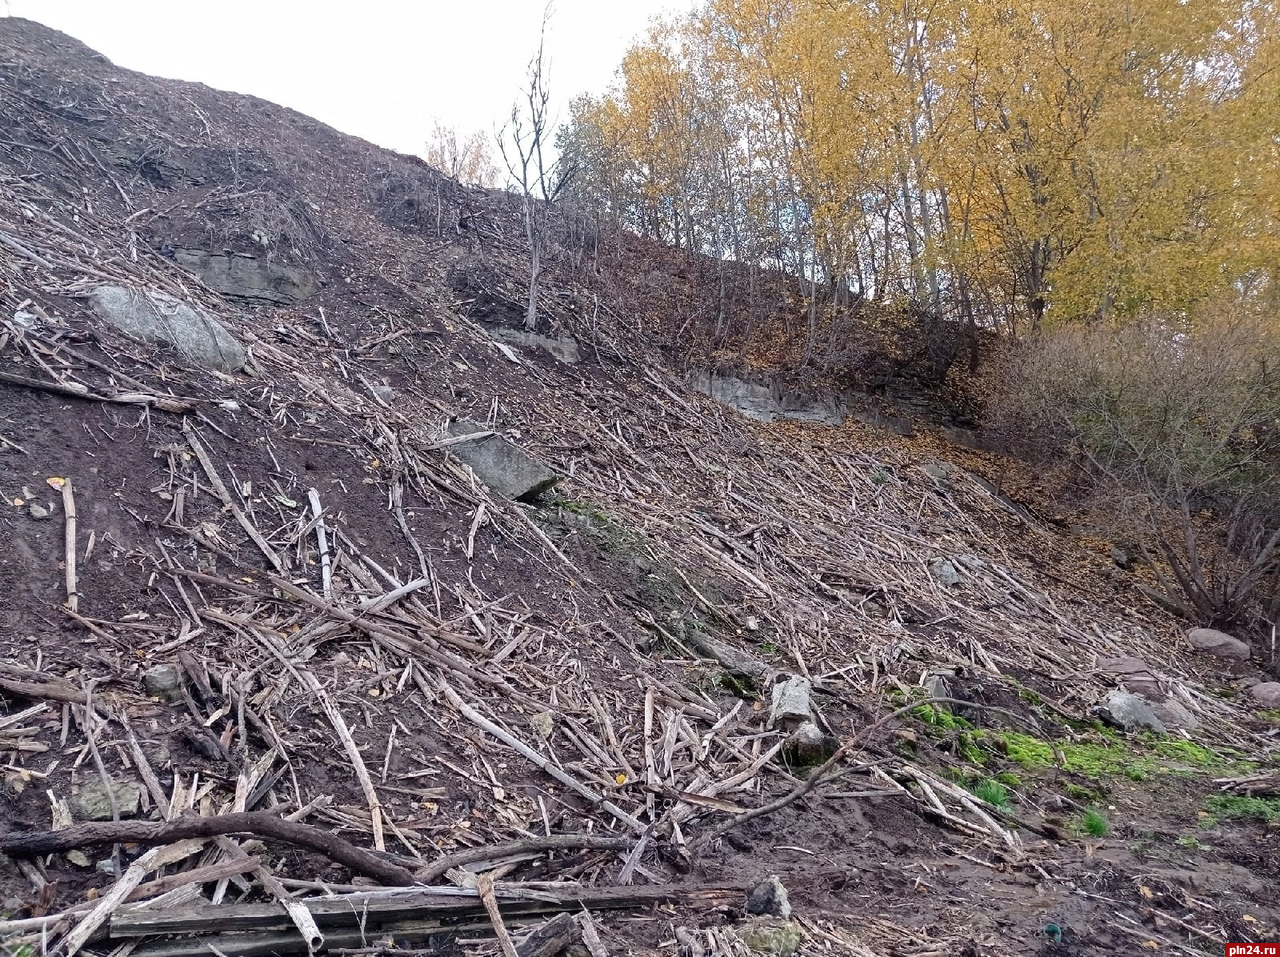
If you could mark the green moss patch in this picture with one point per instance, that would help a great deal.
(1231, 807)
(1100, 755)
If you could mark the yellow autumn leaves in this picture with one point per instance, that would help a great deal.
(1054, 160)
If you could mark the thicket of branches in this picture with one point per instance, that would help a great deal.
(1174, 428)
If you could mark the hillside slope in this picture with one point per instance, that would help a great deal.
(338, 621)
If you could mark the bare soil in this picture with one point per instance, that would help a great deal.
(802, 546)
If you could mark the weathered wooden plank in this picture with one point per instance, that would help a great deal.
(378, 909)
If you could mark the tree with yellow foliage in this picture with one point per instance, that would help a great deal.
(1014, 162)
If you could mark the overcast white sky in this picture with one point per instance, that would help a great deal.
(379, 69)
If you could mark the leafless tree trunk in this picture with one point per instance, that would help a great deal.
(524, 142)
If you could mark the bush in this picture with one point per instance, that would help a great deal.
(1174, 425)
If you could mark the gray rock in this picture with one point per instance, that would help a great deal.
(154, 316)
(561, 348)
(935, 686)
(384, 392)
(1128, 712)
(163, 681)
(770, 937)
(1138, 678)
(886, 422)
(544, 722)
(768, 402)
(37, 511)
(939, 471)
(504, 467)
(242, 276)
(965, 437)
(769, 897)
(945, 572)
(1124, 666)
(1267, 694)
(808, 746)
(1218, 643)
(1173, 714)
(791, 702)
(1136, 675)
(90, 801)
(1122, 556)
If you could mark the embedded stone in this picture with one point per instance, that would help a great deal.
(92, 802)
(503, 466)
(1210, 641)
(154, 316)
(1128, 712)
(1266, 694)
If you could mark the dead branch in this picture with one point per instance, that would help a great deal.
(254, 824)
(534, 845)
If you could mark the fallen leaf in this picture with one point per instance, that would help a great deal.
(56, 482)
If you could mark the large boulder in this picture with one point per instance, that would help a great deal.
(1158, 691)
(1267, 694)
(1218, 643)
(1136, 674)
(1174, 714)
(1128, 712)
(242, 276)
(154, 316)
(508, 470)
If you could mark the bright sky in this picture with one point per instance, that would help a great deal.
(379, 69)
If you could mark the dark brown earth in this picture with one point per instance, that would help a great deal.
(804, 546)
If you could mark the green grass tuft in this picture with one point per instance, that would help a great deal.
(991, 791)
(1094, 824)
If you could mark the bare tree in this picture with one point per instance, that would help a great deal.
(525, 143)
(468, 159)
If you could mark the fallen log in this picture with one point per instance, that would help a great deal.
(253, 824)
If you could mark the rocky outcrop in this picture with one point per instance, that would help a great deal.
(154, 316)
(561, 348)
(242, 276)
(769, 402)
